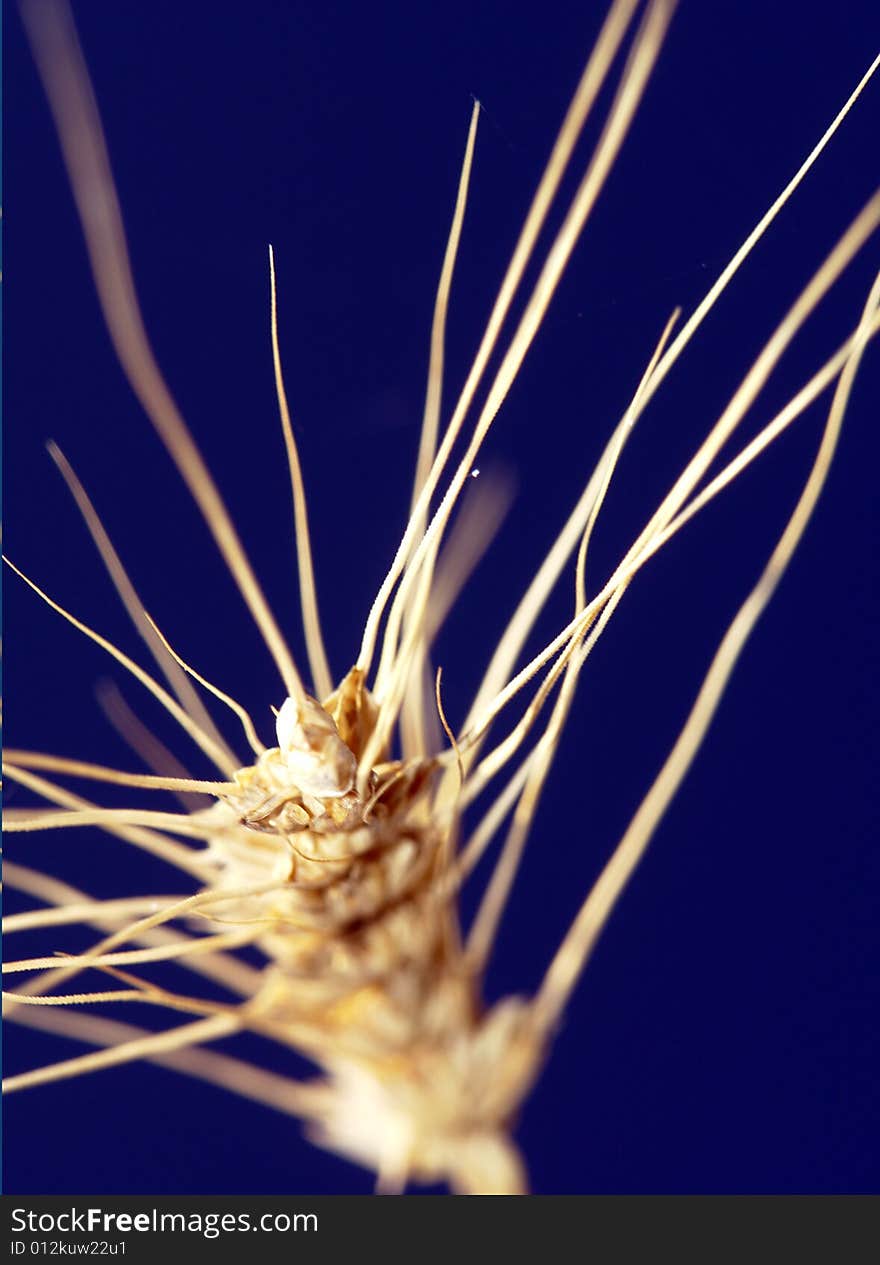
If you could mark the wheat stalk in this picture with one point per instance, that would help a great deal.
(338, 852)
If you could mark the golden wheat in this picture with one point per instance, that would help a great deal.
(335, 857)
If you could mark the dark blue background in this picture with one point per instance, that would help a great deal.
(725, 1037)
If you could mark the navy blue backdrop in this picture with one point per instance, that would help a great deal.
(725, 1037)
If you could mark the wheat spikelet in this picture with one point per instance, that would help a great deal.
(337, 852)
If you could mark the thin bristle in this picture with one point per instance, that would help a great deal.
(418, 733)
(118, 777)
(62, 898)
(322, 677)
(148, 840)
(85, 911)
(235, 707)
(434, 390)
(570, 959)
(45, 819)
(245, 1079)
(152, 928)
(605, 50)
(645, 545)
(216, 754)
(129, 1052)
(532, 602)
(633, 82)
(57, 51)
(131, 957)
(144, 743)
(170, 669)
